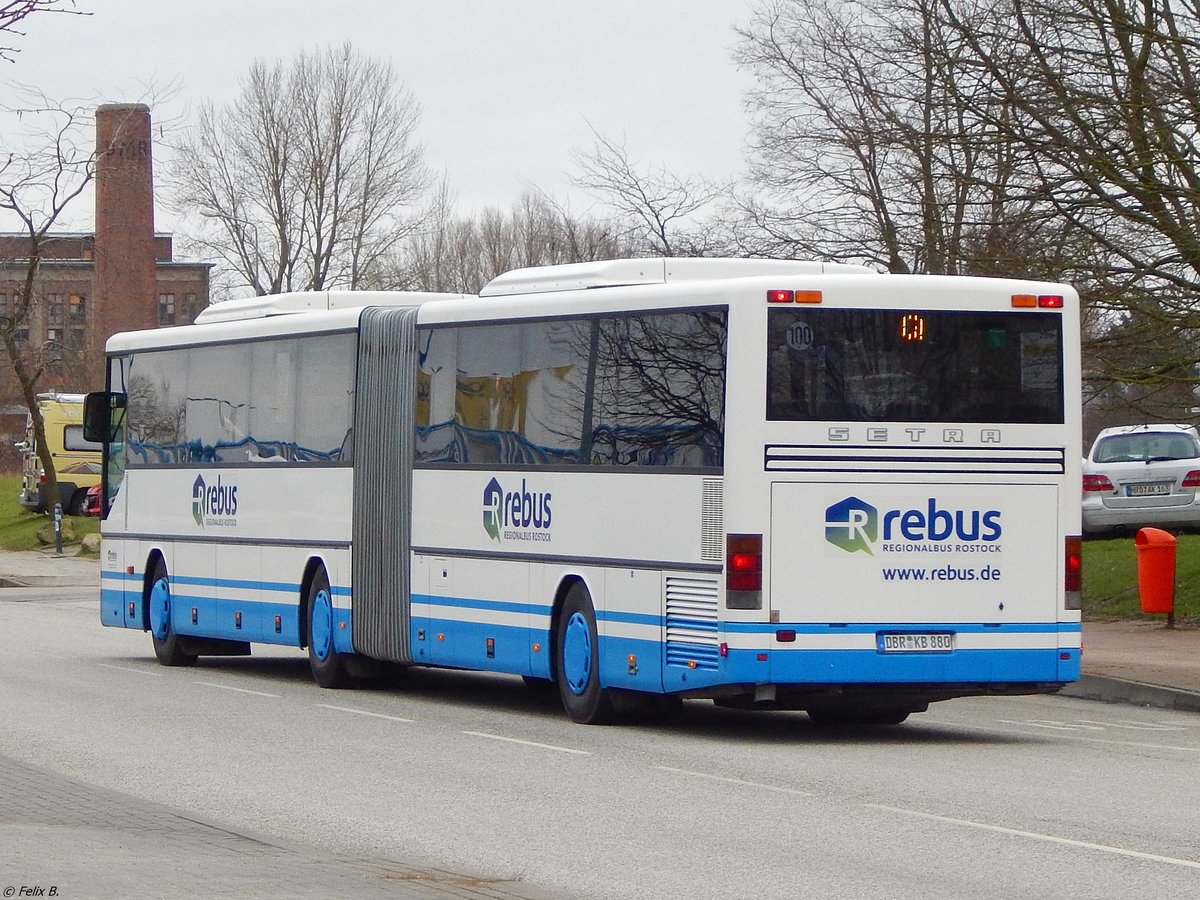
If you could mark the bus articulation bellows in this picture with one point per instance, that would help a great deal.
(775, 484)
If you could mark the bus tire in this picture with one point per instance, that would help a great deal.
(577, 657)
(329, 667)
(168, 646)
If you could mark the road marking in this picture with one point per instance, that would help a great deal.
(363, 712)
(512, 740)
(1140, 745)
(1053, 724)
(1135, 726)
(738, 781)
(1037, 836)
(226, 687)
(130, 669)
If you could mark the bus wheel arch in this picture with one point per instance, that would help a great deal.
(576, 656)
(329, 667)
(168, 644)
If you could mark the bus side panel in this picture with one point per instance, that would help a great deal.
(475, 615)
(631, 630)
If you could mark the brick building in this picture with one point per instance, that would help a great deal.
(120, 277)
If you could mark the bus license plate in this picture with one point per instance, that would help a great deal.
(1151, 489)
(914, 642)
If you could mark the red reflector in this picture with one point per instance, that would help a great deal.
(1064, 656)
(1097, 483)
(722, 649)
(780, 296)
(1050, 301)
(1073, 577)
(762, 657)
(785, 636)
(1192, 479)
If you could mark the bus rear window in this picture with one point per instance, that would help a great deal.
(872, 365)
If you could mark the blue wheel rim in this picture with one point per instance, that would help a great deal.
(577, 653)
(160, 609)
(321, 637)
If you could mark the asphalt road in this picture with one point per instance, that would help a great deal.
(1022, 797)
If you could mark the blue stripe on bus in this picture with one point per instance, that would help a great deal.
(873, 627)
(235, 583)
(535, 609)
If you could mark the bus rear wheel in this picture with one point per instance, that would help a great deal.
(328, 666)
(577, 657)
(167, 643)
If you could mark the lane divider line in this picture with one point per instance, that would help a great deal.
(738, 781)
(511, 740)
(227, 687)
(1037, 836)
(364, 712)
(130, 669)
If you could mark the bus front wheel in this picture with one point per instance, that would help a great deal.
(328, 666)
(167, 643)
(577, 656)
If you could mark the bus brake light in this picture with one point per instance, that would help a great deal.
(743, 562)
(780, 296)
(1073, 578)
(1050, 301)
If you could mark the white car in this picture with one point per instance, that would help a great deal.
(1138, 475)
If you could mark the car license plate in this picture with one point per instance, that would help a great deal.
(1149, 489)
(916, 642)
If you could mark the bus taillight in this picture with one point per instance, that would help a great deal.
(1073, 577)
(743, 562)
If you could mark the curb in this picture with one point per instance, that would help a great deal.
(1120, 690)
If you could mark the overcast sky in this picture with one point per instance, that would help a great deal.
(507, 87)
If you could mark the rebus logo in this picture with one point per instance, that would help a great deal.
(852, 524)
(214, 504)
(511, 514)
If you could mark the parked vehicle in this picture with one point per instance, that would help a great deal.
(76, 461)
(1139, 475)
(91, 501)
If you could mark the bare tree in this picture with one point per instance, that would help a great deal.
(310, 177)
(463, 254)
(662, 204)
(1105, 97)
(866, 150)
(13, 12)
(37, 183)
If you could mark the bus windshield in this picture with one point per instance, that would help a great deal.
(874, 365)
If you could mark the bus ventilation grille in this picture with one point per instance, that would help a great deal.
(712, 525)
(692, 628)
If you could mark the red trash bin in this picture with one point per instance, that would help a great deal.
(1156, 569)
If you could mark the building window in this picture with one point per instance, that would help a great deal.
(76, 307)
(166, 309)
(54, 305)
(74, 339)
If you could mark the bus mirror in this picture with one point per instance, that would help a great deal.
(98, 419)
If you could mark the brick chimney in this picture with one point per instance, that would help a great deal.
(125, 291)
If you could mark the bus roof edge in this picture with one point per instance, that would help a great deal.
(660, 270)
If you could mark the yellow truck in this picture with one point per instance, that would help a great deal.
(76, 461)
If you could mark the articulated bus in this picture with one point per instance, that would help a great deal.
(772, 484)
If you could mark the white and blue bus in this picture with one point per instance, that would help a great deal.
(774, 484)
